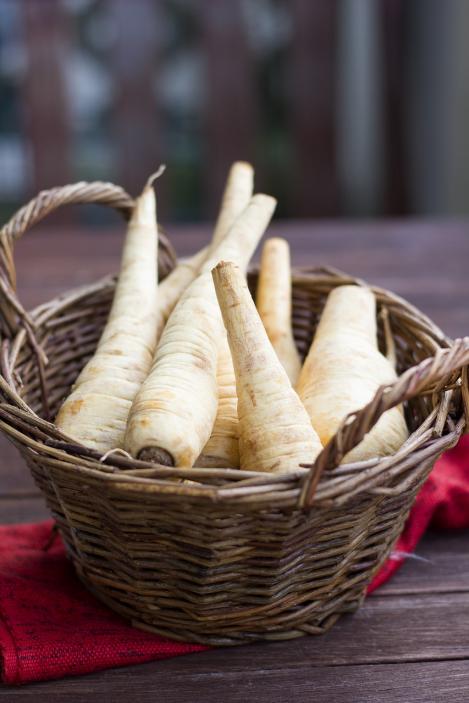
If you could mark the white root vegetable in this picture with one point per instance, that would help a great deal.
(173, 415)
(236, 196)
(222, 448)
(275, 432)
(95, 413)
(343, 370)
(273, 300)
(171, 289)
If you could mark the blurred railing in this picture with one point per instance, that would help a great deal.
(351, 107)
(110, 89)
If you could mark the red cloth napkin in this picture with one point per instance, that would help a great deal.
(51, 627)
(442, 502)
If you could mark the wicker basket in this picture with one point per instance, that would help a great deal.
(233, 556)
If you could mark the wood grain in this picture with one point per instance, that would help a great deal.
(442, 566)
(426, 262)
(22, 507)
(14, 474)
(428, 682)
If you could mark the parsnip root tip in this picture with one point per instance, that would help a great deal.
(244, 164)
(116, 450)
(154, 176)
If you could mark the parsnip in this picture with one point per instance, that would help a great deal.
(171, 289)
(275, 432)
(343, 370)
(173, 415)
(236, 196)
(273, 300)
(222, 448)
(95, 413)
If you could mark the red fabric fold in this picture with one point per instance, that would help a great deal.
(51, 627)
(443, 502)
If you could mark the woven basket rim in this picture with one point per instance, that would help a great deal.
(251, 489)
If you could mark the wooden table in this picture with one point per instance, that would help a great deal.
(410, 641)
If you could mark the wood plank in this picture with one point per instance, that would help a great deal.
(398, 249)
(14, 474)
(424, 261)
(429, 682)
(26, 509)
(442, 566)
(435, 630)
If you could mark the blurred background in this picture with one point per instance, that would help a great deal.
(346, 107)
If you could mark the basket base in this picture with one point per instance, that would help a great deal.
(317, 625)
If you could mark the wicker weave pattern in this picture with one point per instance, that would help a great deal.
(233, 556)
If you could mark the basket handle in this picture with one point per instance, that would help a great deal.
(428, 374)
(45, 202)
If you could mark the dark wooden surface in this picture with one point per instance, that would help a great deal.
(410, 641)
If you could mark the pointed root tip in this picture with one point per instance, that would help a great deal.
(272, 242)
(243, 164)
(222, 264)
(223, 269)
(159, 172)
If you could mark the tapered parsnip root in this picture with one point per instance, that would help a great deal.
(273, 300)
(275, 432)
(236, 196)
(176, 406)
(344, 369)
(171, 289)
(96, 411)
(222, 447)
(178, 400)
